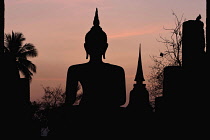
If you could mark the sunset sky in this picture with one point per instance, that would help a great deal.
(57, 28)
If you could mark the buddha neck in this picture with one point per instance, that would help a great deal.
(95, 60)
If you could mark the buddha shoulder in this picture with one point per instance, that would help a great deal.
(115, 67)
(76, 67)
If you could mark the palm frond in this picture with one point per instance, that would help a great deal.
(27, 64)
(8, 37)
(25, 71)
(28, 50)
(18, 37)
(14, 41)
(7, 41)
(30, 53)
(6, 50)
(28, 46)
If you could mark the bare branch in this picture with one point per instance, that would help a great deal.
(171, 56)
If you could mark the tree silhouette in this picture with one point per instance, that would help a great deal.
(52, 99)
(171, 56)
(55, 96)
(14, 46)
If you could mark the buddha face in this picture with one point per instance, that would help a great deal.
(96, 49)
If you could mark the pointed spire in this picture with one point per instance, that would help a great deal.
(139, 73)
(96, 21)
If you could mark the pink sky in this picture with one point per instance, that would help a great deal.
(57, 29)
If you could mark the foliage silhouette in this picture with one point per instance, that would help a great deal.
(171, 56)
(14, 46)
(55, 96)
(52, 99)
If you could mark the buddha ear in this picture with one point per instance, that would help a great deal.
(86, 55)
(104, 57)
(86, 49)
(85, 46)
(105, 48)
(107, 45)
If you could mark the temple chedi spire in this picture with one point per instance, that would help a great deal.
(139, 78)
(139, 96)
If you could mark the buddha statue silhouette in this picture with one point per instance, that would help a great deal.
(103, 84)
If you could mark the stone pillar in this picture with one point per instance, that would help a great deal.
(193, 44)
(172, 98)
(194, 64)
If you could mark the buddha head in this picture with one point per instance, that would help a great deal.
(96, 40)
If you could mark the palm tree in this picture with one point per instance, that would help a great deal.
(14, 46)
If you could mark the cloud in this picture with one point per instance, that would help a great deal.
(148, 30)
